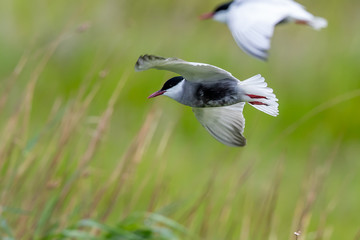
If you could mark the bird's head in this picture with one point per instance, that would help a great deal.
(172, 88)
(219, 14)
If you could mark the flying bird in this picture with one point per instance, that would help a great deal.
(217, 98)
(252, 22)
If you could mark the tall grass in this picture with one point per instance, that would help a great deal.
(84, 155)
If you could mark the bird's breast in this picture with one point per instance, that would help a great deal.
(222, 93)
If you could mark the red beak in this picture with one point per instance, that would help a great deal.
(155, 94)
(206, 16)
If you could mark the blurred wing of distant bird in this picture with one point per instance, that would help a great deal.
(252, 23)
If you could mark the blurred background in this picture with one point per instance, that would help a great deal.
(80, 140)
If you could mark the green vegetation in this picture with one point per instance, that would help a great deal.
(80, 141)
(135, 227)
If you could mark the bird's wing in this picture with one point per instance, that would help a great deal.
(191, 71)
(226, 124)
(252, 23)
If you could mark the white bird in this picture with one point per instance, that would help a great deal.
(215, 95)
(252, 22)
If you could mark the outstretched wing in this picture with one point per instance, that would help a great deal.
(226, 124)
(252, 23)
(191, 71)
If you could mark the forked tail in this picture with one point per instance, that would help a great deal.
(318, 23)
(258, 95)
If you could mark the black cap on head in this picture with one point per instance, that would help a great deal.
(224, 6)
(172, 82)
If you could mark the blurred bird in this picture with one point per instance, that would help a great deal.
(252, 22)
(215, 95)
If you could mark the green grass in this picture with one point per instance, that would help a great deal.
(82, 150)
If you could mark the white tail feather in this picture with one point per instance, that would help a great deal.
(318, 23)
(258, 95)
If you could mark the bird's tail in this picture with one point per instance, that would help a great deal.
(258, 95)
(318, 23)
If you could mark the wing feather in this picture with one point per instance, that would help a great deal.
(226, 124)
(252, 23)
(191, 71)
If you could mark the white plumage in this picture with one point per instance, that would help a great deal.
(216, 96)
(252, 22)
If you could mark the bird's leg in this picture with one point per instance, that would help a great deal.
(258, 103)
(255, 96)
(301, 22)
